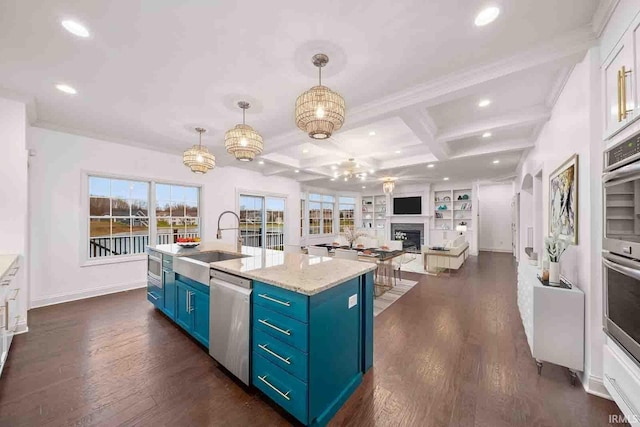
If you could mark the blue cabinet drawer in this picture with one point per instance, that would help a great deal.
(155, 292)
(280, 354)
(286, 329)
(281, 300)
(282, 387)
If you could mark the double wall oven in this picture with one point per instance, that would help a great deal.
(621, 244)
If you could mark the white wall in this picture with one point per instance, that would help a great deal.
(13, 192)
(58, 225)
(495, 217)
(575, 127)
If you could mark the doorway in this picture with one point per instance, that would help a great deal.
(262, 221)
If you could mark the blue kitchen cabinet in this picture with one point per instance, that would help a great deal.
(192, 308)
(310, 352)
(169, 285)
(200, 314)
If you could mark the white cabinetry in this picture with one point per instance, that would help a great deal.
(9, 309)
(553, 320)
(374, 215)
(620, 77)
(622, 380)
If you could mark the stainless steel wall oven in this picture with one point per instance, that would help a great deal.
(621, 244)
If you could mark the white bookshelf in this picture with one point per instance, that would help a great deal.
(374, 215)
(458, 209)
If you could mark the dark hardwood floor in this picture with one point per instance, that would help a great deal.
(451, 352)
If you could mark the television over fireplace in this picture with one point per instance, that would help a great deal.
(407, 205)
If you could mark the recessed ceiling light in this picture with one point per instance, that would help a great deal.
(305, 151)
(346, 179)
(372, 171)
(487, 16)
(334, 167)
(364, 186)
(446, 178)
(398, 152)
(495, 162)
(487, 135)
(484, 103)
(297, 171)
(66, 89)
(75, 28)
(261, 162)
(372, 133)
(332, 179)
(431, 165)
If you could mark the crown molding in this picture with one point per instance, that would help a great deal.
(602, 15)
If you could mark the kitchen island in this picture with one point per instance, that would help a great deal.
(311, 327)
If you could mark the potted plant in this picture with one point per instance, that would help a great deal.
(555, 245)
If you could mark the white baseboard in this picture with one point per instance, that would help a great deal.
(506, 251)
(87, 293)
(21, 327)
(595, 386)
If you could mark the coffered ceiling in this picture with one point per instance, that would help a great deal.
(412, 74)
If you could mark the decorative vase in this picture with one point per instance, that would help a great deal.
(554, 272)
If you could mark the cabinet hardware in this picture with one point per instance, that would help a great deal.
(619, 95)
(152, 296)
(188, 306)
(15, 295)
(264, 380)
(285, 303)
(5, 283)
(282, 331)
(622, 394)
(274, 354)
(623, 79)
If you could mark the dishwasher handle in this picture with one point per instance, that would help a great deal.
(230, 286)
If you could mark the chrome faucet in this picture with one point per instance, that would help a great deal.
(219, 232)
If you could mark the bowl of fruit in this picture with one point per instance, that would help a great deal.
(188, 242)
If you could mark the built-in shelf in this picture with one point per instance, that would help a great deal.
(620, 218)
(621, 204)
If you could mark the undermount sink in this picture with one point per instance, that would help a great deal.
(196, 266)
(215, 256)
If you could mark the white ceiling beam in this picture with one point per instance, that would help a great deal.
(422, 125)
(558, 86)
(525, 117)
(602, 15)
(407, 161)
(494, 147)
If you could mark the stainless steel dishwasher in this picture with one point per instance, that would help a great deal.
(229, 322)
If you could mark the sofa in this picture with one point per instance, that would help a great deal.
(456, 253)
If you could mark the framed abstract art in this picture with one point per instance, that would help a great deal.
(563, 200)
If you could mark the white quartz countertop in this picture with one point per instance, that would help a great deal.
(300, 273)
(5, 263)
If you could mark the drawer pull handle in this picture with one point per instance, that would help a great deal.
(615, 385)
(267, 297)
(5, 283)
(274, 354)
(282, 331)
(152, 296)
(264, 380)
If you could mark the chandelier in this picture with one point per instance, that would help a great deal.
(388, 185)
(320, 111)
(242, 141)
(198, 158)
(351, 171)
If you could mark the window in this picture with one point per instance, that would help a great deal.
(177, 212)
(321, 214)
(347, 208)
(262, 221)
(118, 217)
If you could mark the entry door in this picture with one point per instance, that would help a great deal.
(262, 221)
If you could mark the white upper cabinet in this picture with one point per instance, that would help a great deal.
(620, 76)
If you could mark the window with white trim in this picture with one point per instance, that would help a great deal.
(347, 210)
(120, 218)
(321, 209)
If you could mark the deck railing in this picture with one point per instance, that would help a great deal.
(125, 245)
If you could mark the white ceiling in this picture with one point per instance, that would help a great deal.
(411, 71)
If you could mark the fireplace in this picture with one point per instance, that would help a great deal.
(412, 235)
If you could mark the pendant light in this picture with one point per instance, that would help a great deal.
(198, 158)
(388, 186)
(320, 111)
(242, 141)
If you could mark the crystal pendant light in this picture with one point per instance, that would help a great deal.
(242, 141)
(320, 111)
(388, 185)
(198, 158)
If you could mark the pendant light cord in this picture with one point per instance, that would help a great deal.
(319, 76)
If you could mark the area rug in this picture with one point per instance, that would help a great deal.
(415, 266)
(383, 302)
